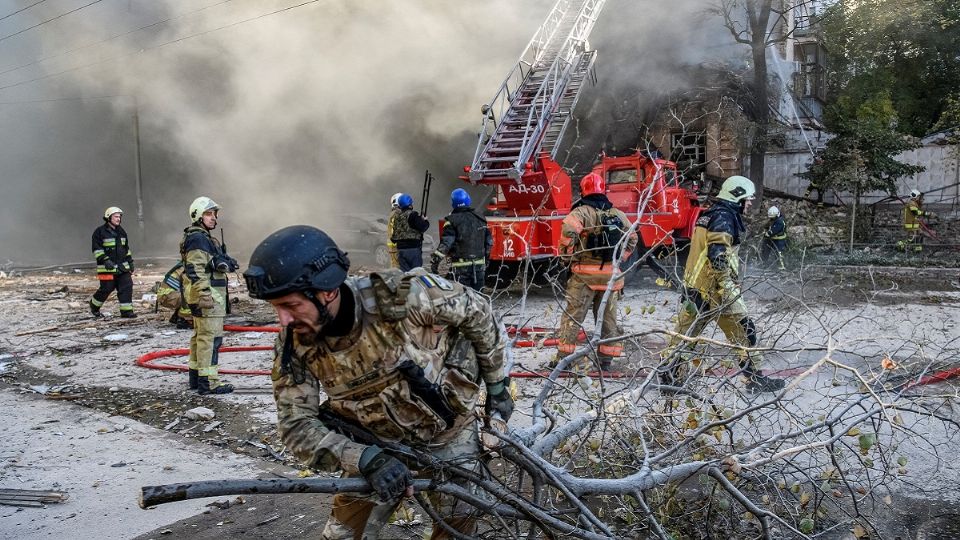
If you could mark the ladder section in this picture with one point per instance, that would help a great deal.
(542, 87)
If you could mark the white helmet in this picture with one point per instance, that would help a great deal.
(773, 212)
(737, 189)
(395, 200)
(915, 194)
(111, 211)
(201, 205)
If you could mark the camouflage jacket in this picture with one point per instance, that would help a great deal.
(198, 250)
(397, 317)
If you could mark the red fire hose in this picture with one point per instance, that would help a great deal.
(146, 360)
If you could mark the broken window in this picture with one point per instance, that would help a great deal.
(689, 150)
(809, 79)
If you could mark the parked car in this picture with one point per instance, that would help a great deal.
(364, 238)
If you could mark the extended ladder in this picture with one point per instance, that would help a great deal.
(531, 109)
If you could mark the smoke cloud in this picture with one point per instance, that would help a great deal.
(302, 116)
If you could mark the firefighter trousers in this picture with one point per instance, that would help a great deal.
(123, 284)
(205, 348)
(470, 275)
(696, 313)
(581, 298)
(356, 518)
(410, 258)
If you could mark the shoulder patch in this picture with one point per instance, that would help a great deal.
(430, 281)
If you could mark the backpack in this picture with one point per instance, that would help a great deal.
(602, 242)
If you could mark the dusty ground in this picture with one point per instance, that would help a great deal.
(81, 418)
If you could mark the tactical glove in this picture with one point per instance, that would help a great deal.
(206, 301)
(109, 265)
(499, 400)
(435, 260)
(387, 475)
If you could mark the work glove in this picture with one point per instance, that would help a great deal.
(387, 475)
(206, 301)
(435, 261)
(109, 265)
(499, 400)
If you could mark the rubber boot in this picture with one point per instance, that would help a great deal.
(758, 383)
(194, 379)
(128, 315)
(95, 310)
(203, 387)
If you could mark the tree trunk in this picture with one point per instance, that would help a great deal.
(758, 12)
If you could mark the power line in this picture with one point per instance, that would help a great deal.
(41, 23)
(111, 38)
(205, 32)
(21, 9)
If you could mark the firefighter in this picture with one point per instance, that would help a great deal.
(912, 224)
(595, 238)
(170, 296)
(811, 187)
(114, 264)
(406, 231)
(391, 246)
(466, 240)
(205, 266)
(711, 291)
(775, 237)
(401, 354)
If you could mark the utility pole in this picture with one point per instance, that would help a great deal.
(139, 179)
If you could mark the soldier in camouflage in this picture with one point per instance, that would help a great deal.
(205, 266)
(406, 228)
(379, 347)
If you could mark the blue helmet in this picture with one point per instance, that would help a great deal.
(459, 198)
(405, 200)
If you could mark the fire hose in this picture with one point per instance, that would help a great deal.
(146, 360)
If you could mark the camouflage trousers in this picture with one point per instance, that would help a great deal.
(580, 299)
(696, 313)
(205, 348)
(362, 518)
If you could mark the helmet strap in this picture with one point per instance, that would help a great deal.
(324, 317)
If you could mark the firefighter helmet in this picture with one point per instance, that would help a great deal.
(915, 194)
(111, 211)
(459, 198)
(737, 189)
(405, 201)
(299, 258)
(592, 184)
(395, 200)
(201, 205)
(773, 212)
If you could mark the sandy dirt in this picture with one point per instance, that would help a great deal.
(91, 423)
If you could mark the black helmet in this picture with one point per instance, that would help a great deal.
(300, 258)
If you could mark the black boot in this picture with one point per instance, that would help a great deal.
(605, 363)
(95, 310)
(203, 387)
(758, 383)
(194, 379)
(128, 315)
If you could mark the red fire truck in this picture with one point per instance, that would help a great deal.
(521, 131)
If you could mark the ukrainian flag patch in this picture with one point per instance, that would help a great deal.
(429, 282)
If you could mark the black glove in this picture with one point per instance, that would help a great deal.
(435, 261)
(234, 265)
(109, 265)
(499, 399)
(387, 475)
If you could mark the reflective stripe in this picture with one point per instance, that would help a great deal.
(98, 252)
(126, 307)
(611, 350)
(96, 302)
(779, 237)
(462, 262)
(911, 226)
(101, 269)
(110, 242)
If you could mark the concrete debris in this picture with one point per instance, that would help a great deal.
(211, 426)
(269, 520)
(115, 337)
(171, 425)
(199, 413)
(31, 497)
